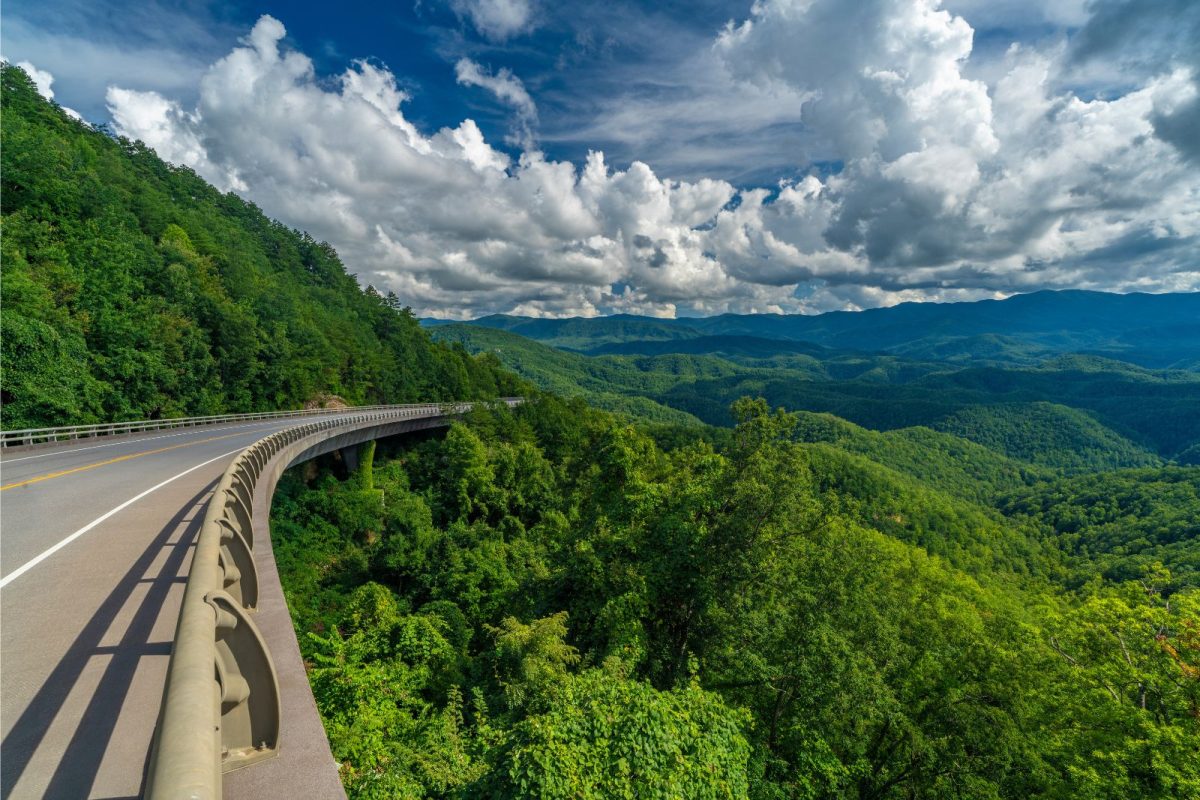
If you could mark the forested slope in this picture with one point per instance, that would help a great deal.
(554, 602)
(614, 384)
(1118, 525)
(134, 289)
(1156, 411)
(1073, 412)
(942, 461)
(543, 603)
(1047, 434)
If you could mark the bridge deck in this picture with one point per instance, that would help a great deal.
(96, 539)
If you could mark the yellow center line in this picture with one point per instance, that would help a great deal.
(61, 473)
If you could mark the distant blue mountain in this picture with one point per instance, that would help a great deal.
(1151, 330)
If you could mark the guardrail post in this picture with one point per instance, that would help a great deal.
(239, 499)
(237, 564)
(249, 688)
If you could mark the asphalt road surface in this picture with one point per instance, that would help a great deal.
(96, 540)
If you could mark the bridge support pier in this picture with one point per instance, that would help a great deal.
(349, 456)
(360, 459)
(366, 463)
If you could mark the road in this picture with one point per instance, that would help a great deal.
(96, 539)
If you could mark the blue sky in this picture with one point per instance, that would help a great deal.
(570, 57)
(574, 58)
(794, 155)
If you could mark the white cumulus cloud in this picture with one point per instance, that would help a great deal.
(42, 79)
(948, 182)
(938, 185)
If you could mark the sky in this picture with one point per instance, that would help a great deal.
(670, 158)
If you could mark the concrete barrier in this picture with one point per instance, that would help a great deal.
(31, 436)
(221, 708)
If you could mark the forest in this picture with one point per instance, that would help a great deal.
(547, 603)
(909, 553)
(1078, 411)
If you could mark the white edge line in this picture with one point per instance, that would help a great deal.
(21, 570)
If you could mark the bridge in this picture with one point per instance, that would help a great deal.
(145, 645)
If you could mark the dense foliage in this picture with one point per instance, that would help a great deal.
(1118, 525)
(133, 289)
(1158, 412)
(1072, 413)
(546, 603)
(612, 384)
(978, 580)
(1047, 434)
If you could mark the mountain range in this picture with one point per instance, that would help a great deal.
(1109, 379)
(1160, 331)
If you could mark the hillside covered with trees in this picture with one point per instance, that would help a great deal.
(133, 289)
(908, 554)
(545, 603)
(1072, 411)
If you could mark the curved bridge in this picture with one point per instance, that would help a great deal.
(99, 538)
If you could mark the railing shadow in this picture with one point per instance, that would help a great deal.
(77, 769)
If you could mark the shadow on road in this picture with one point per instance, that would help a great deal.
(77, 769)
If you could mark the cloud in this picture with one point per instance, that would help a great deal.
(43, 80)
(1140, 33)
(690, 119)
(640, 82)
(950, 182)
(445, 219)
(169, 130)
(509, 90)
(939, 186)
(1017, 14)
(497, 20)
(1147, 39)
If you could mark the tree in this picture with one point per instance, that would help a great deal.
(601, 735)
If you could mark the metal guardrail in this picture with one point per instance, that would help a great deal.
(221, 707)
(28, 436)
